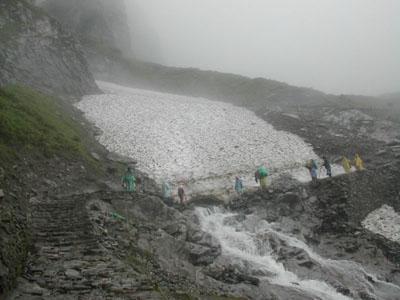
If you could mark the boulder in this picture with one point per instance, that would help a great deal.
(73, 274)
(201, 255)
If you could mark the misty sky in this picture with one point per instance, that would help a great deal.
(337, 46)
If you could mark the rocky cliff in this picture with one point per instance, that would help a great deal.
(36, 51)
(97, 23)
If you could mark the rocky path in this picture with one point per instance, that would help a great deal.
(69, 260)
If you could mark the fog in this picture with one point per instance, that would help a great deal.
(337, 46)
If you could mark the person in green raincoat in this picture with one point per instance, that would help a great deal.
(261, 176)
(129, 181)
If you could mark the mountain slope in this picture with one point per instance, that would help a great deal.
(36, 51)
(109, 62)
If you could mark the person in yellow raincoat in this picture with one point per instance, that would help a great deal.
(346, 164)
(358, 163)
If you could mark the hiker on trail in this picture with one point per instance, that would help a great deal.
(238, 185)
(312, 167)
(139, 184)
(129, 181)
(181, 194)
(327, 166)
(261, 175)
(346, 164)
(358, 163)
(166, 193)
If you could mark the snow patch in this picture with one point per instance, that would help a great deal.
(348, 117)
(193, 139)
(384, 221)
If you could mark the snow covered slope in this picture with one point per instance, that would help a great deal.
(384, 221)
(197, 140)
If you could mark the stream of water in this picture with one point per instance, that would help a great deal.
(247, 241)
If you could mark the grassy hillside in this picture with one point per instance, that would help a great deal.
(31, 121)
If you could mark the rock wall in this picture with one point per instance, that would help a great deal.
(98, 23)
(14, 238)
(36, 51)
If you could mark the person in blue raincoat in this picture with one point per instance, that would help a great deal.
(238, 185)
(167, 193)
(313, 168)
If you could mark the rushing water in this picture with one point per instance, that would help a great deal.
(247, 241)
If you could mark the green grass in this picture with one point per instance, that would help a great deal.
(34, 122)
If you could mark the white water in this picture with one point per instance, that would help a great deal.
(245, 241)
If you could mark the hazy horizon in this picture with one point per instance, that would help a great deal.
(336, 46)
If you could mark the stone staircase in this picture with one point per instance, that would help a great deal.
(69, 261)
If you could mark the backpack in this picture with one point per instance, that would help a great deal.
(262, 172)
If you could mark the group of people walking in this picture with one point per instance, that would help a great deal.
(129, 181)
(358, 163)
(167, 193)
(261, 174)
(347, 164)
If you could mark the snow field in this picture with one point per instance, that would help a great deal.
(178, 138)
(384, 221)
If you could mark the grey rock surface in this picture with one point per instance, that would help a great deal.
(36, 51)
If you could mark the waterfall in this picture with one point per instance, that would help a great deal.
(242, 240)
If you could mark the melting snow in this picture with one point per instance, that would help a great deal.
(346, 118)
(193, 139)
(384, 221)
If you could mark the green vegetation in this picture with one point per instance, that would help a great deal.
(31, 121)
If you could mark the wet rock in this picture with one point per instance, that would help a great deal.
(74, 265)
(201, 255)
(393, 143)
(351, 247)
(381, 152)
(307, 264)
(230, 275)
(4, 271)
(95, 156)
(366, 296)
(177, 230)
(289, 203)
(30, 288)
(94, 207)
(291, 199)
(312, 199)
(343, 290)
(50, 183)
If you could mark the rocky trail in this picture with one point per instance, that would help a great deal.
(70, 261)
(105, 244)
